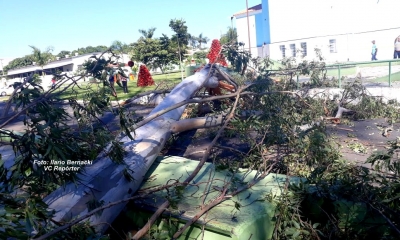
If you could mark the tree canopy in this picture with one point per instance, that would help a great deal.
(230, 36)
(19, 62)
(162, 51)
(42, 57)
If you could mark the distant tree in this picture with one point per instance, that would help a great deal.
(18, 63)
(193, 41)
(63, 53)
(180, 39)
(148, 33)
(166, 55)
(154, 52)
(120, 48)
(229, 37)
(101, 48)
(202, 39)
(181, 31)
(89, 49)
(200, 56)
(80, 51)
(145, 50)
(42, 58)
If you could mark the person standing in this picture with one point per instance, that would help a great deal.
(53, 83)
(374, 51)
(397, 48)
(112, 85)
(117, 75)
(124, 81)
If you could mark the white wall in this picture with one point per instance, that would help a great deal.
(352, 23)
(322, 43)
(361, 44)
(241, 25)
(352, 47)
(293, 19)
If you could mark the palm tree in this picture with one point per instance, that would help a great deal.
(42, 58)
(230, 36)
(148, 33)
(201, 39)
(193, 41)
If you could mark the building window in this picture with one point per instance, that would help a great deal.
(283, 50)
(304, 48)
(293, 49)
(332, 45)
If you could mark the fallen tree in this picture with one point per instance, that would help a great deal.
(70, 201)
(272, 109)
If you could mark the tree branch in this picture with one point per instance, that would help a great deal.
(195, 123)
(146, 228)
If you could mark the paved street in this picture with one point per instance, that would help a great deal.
(108, 118)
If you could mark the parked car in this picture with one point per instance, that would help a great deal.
(6, 91)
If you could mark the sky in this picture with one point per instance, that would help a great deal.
(68, 25)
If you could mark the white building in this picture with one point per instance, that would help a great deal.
(69, 65)
(342, 29)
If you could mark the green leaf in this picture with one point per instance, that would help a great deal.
(296, 224)
(28, 172)
(296, 234)
(60, 153)
(28, 222)
(315, 225)
(290, 231)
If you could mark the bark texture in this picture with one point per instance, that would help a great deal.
(105, 181)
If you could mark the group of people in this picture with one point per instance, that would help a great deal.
(396, 53)
(117, 75)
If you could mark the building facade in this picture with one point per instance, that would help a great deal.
(341, 29)
(70, 65)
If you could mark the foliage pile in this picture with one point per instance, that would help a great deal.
(144, 77)
(50, 142)
(286, 131)
(336, 200)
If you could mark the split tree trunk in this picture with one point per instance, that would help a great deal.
(105, 181)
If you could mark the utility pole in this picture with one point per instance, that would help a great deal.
(248, 24)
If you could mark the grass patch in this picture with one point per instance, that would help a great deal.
(343, 71)
(162, 80)
(352, 71)
(383, 64)
(394, 78)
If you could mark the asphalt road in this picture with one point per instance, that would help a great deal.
(109, 118)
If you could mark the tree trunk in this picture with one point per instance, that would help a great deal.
(105, 181)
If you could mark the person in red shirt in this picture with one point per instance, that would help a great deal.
(53, 83)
